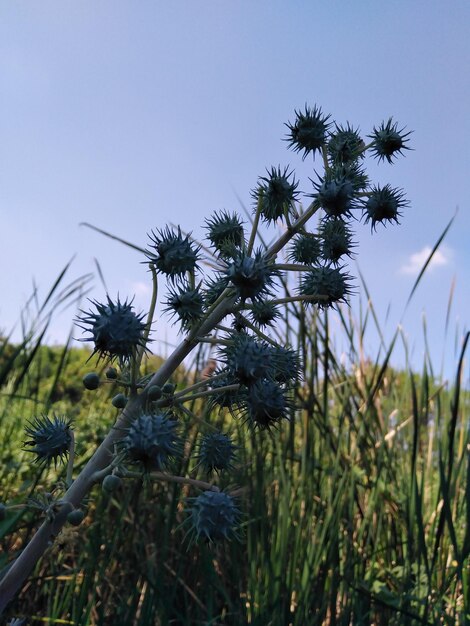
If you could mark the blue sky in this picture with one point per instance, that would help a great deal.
(130, 115)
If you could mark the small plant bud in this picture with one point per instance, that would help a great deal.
(225, 231)
(173, 254)
(252, 276)
(111, 373)
(91, 381)
(275, 194)
(119, 401)
(152, 441)
(329, 284)
(168, 389)
(50, 439)
(214, 516)
(388, 141)
(337, 240)
(76, 517)
(305, 249)
(154, 393)
(383, 205)
(335, 195)
(111, 483)
(216, 452)
(116, 330)
(266, 404)
(186, 304)
(309, 131)
(345, 145)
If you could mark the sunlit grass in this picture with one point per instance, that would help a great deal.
(354, 512)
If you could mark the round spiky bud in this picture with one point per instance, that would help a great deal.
(383, 205)
(174, 254)
(116, 330)
(265, 404)
(49, 439)
(345, 145)
(225, 232)
(76, 517)
(351, 172)
(214, 516)
(388, 141)
(308, 132)
(305, 249)
(337, 240)
(283, 365)
(335, 196)
(186, 304)
(216, 452)
(152, 441)
(264, 313)
(214, 288)
(275, 194)
(252, 276)
(246, 358)
(111, 483)
(91, 381)
(326, 285)
(119, 401)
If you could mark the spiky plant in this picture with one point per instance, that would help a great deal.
(49, 439)
(116, 330)
(224, 292)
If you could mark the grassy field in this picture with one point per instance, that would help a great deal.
(353, 512)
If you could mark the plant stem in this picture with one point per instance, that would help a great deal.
(21, 568)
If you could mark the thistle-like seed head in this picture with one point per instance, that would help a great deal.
(352, 172)
(216, 452)
(309, 131)
(214, 287)
(214, 516)
(116, 330)
(246, 358)
(186, 304)
(275, 194)
(305, 249)
(283, 365)
(225, 232)
(49, 439)
(328, 284)
(383, 205)
(388, 141)
(335, 196)
(152, 441)
(345, 145)
(337, 240)
(265, 404)
(264, 313)
(172, 254)
(251, 276)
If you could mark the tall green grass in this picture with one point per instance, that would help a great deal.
(354, 512)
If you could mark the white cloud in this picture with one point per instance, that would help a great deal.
(418, 259)
(140, 289)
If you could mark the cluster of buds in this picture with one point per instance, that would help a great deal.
(254, 377)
